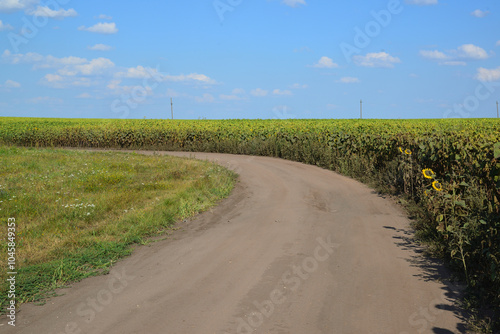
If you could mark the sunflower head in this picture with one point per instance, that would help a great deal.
(401, 150)
(428, 173)
(437, 186)
(407, 151)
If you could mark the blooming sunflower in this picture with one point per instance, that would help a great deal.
(428, 173)
(407, 151)
(401, 150)
(437, 186)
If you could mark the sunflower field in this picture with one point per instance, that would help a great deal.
(450, 168)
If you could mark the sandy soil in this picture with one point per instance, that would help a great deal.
(295, 249)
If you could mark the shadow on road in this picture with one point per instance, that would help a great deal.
(432, 269)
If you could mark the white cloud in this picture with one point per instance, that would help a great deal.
(302, 49)
(41, 61)
(45, 100)
(298, 86)
(381, 59)
(201, 78)
(237, 91)
(80, 82)
(55, 14)
(54, 62)
(348, 80)
(452, 57)
(325, 62)
(484, 74)
(234, 96)
(53, 78)
(104, 17)
(84, 96)
(138, 72)
(73, 71)
(68, 68)
(479, 13)
(96, 66)
(116, 89)
(229, 97)
(433, 54)
(294, 3)
(14, 5)
(61, 82)
(422, 2)
(206, 98)
(4, 26)
(282, 92)
(472, 51)
(454, 63)
(114, 84)
(12, 84)
(101, 28)
(259, 92)
(100, 47)
(498, 43)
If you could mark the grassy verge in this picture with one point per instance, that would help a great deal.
(77, 212)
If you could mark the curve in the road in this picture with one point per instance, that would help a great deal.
(295, 249)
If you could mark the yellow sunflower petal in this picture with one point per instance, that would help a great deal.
(437, 186)
(428, 173)
(400, 150)
(407, 151)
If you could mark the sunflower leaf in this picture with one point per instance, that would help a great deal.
(496, 149)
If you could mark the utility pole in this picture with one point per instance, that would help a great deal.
(361, 109)
(172, 107)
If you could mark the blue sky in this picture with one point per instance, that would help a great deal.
(249, 59)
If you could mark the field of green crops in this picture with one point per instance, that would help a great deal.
(449, 168)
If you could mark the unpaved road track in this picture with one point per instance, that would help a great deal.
(295, 249)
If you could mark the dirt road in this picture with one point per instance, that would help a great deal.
(295, 249)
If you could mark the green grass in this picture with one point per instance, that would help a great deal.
(78, 212)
